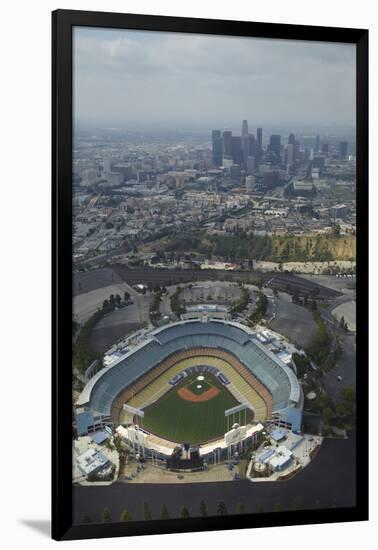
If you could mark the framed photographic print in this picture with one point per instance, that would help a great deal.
(210, 191)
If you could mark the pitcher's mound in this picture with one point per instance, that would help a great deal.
(187, 395)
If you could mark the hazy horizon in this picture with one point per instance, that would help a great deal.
(154, 80)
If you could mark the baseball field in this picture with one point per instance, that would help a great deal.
(192, 411)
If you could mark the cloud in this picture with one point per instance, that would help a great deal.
(129, 77)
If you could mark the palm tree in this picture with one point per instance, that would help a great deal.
(125, 516)
(164, 514)
(221, 508)
(295, 505)
(203, 508)
(106, 517)
(240, 508)
(146, 511)
(184, 512)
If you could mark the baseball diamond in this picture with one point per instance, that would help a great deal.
(183, 376)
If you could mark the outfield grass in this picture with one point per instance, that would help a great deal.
(183, 421)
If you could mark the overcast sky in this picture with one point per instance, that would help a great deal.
(135, 79)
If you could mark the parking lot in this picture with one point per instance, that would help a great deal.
(121, 322)
(345, 368)
(219, 293)
(293, 321)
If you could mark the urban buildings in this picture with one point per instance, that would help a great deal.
(130, 193)
(217, 148)
(343, 149)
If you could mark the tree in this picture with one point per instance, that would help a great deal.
(203, 508)
(302, 364)
(106, 516)
(259, 509)
(295, 505)
(126, 296)
(328, 415)
(85, 519)
(348, 394)
(146, 511)
(164, 514)
(346, 408)
(125, 516)
(184, 512)
(221, 508)
(277, 507)
(240, 508)
(118, 299)
(112, 299)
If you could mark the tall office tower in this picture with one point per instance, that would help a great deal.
(292, 142)
(251, 146)
(275, 148)
(290, 154)
(343, 149)
(297, 148)
(325, 148)
(317, 144)
(227, 143)
(236, 150)
(244, 128)
(217, 147)
(259, 135)
(244, 140)
(250, 165)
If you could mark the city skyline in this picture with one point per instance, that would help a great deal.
(138, 79)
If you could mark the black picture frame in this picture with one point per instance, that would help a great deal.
(62, 23)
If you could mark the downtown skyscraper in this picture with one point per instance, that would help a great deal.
(217, 148)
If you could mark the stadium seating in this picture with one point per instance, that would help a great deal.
(253, 371)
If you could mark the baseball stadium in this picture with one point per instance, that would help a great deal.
(204, 383)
